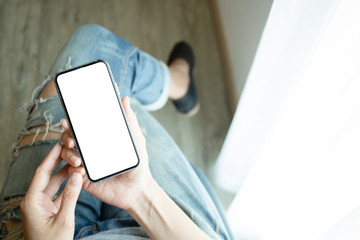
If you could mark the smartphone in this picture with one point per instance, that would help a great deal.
(92, 105)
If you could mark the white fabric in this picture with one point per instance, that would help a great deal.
(292, 152)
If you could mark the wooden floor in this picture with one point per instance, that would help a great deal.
(33, 32)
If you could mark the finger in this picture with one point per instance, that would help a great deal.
(133, 122)
(67, 139)
(88, 185)
(71, 156)
(126, 103)
(69, 197)
(80, 170)
(44, 171)
(56, 180)
(65, 124)
(71, 170)
(132, 119)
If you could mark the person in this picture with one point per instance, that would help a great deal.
(47, 194)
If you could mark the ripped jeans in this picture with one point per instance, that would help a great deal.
(146, 80)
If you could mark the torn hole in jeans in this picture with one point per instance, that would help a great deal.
(35, 132)
(10, 216)
(44, 130)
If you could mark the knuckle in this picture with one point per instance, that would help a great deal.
(70, 170)
(67, 153)
(69, 194)
(63, 136)
(39, 170)
(64, 155)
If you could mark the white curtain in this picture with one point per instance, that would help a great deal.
(292, 153)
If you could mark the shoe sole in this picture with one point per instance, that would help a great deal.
(193, 111)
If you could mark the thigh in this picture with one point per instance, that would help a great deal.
(177, 177)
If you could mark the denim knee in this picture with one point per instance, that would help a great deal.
(92, 42)
(89, 30)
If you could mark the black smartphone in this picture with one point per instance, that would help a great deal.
(92, 104)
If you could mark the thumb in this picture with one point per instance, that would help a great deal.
(70, 196)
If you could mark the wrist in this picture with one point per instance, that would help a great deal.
(161, 218)
(145, 200)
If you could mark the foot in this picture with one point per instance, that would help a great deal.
(182, 88)
(180, 78)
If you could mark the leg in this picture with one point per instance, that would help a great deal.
(180, 79)
(144, 78)
(136, 73)
(42, 129)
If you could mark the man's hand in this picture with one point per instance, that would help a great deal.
(43, 217)
(123, 190)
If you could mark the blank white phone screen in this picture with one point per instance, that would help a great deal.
(97, 120)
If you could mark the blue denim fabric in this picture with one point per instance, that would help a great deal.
(92, 42)
(141, 77)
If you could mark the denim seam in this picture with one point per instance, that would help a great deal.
(85, 230)
(124, 71)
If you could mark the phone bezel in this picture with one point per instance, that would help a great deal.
(117, 93)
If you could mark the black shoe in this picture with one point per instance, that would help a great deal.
(189, 103)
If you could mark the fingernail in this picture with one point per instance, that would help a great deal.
(80, 170)
(64, 122)
(70, 141)
(75, 160)
(76, 179)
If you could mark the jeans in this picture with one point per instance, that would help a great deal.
(146, 80)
